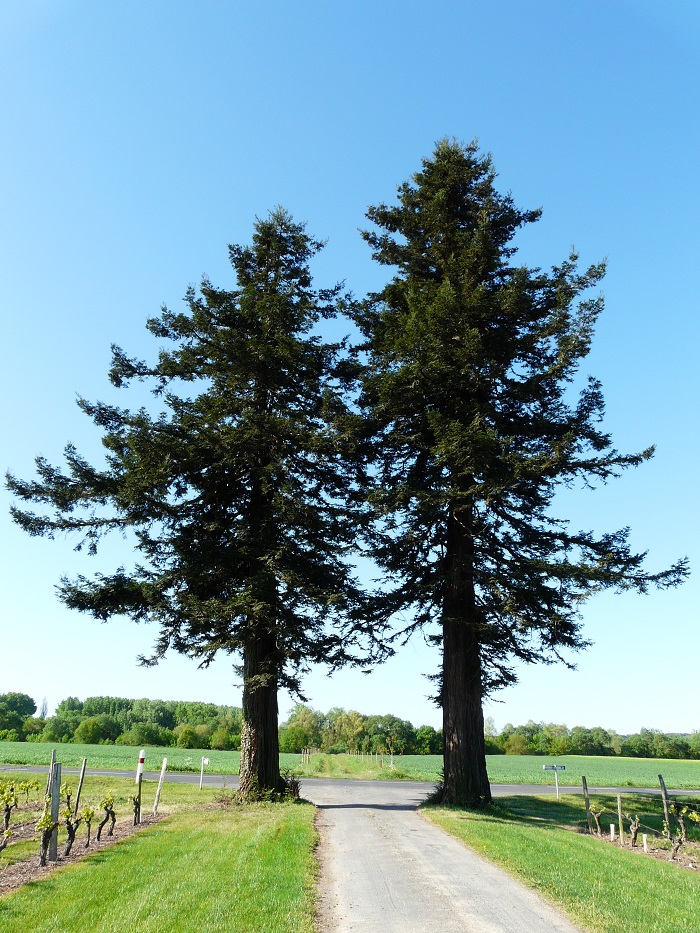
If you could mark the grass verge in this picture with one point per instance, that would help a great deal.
(203, 867)
(600, 887)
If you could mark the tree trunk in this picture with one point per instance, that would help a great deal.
(260, 760)
(465, 781)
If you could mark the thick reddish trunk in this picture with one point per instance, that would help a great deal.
(465, 781)
(260, 760)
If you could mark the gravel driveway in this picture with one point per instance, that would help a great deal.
(384, 868)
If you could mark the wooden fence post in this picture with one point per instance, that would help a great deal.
(667, 813)
(80, 786)
(55, 805)
(137, 808)
(48, 776)
(587, 801)
(619, 819)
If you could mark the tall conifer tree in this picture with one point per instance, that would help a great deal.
(234, 493)
(468, 394)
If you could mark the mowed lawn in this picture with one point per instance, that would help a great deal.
(231, 869)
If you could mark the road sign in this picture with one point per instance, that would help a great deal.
(556, 769)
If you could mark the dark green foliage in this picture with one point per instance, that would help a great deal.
(16, 711)
(108, 706)
(428, 741)
(128, 722)
(469, 399)
(234, 493)
(650, 743)
(341, 730)
(9, 719)
(20, 703)
(146, 733)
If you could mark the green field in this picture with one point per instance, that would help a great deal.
(599, 772)
(601, 887)
(502, 769)
(119, 757)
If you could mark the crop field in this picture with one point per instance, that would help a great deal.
(600, 772)
(516, 769)
(502, 769)
(119, 757)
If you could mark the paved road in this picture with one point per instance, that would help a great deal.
(385, 868)
(411, 788)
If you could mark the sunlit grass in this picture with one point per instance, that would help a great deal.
(237, 868)
(601, 887)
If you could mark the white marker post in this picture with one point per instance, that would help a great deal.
(139, 769)
(556, 769)
(205, 761)
(160, 785)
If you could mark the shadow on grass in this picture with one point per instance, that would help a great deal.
(567, 814)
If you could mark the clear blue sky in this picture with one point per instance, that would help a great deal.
(139, 139)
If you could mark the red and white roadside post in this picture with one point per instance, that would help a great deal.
(139, 779)
(139, 768)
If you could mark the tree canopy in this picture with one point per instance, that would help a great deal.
(469, 396)
(243, 492)
(234, 492)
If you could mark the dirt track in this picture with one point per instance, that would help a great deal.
(384, 868)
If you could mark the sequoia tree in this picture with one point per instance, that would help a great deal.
(468, 395)
(233, 492)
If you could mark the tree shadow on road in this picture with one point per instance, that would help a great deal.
(368, 806)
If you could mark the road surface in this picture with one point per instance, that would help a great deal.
(385, 868)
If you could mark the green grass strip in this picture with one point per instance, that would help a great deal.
(237, 869)
(600, 887)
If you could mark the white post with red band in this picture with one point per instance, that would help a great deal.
(139, 769)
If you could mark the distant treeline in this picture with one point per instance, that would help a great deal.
(123, 721)
(539, 738)
(341, 730)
